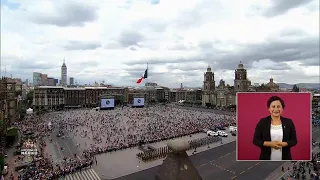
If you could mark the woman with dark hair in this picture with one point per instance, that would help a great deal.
(274, 134)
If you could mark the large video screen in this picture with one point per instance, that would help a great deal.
(107, 103)
(138, 101)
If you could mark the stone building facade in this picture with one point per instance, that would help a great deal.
(209, 85)
(57, 97)
(224, 94)
(273, 86)
(241, 81)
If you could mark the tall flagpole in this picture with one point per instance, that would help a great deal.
(148, 90)
(147, 73)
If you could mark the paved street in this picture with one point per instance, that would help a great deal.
(220, 163)
(88, 174)
(68, 145)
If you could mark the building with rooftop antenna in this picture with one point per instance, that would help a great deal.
(63, 80)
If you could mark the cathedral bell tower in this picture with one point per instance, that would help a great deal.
(209, 84)
(241, 82)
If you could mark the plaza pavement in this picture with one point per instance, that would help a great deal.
(124, 162)
(217, 164)
(220, 163)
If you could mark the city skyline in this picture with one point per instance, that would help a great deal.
(276, 40)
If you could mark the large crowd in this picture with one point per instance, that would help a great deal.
(107, 130)
(33, 131)
(96, 132)
(315, 165)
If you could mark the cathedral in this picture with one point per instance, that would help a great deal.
(224, 94)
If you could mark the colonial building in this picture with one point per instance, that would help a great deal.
(224, 94)
(188, 95)
(10, 95)
(160, 94)
(57, 97)
(273, 87)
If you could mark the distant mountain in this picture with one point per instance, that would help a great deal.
(185, 87)
(285, 85)
(305, 85)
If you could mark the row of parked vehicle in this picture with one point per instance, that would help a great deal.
(220, 131)
(217, 133)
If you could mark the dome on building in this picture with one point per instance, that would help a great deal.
(240, 65)
(209, 68)
(272, 84)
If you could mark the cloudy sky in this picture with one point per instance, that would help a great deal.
(113, 40)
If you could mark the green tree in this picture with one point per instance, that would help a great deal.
(25, 104)
(314, 103)
(1, 162)
(29, 99)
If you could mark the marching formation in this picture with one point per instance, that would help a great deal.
(101, 131)
(162, 152)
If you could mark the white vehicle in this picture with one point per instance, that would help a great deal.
(232, 128)
(181, 101)
(222, 134)
(212, 133)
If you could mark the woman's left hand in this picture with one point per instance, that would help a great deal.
(282, 144)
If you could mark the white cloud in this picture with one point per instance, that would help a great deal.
(175, 37)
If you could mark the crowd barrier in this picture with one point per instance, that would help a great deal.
(162, 152)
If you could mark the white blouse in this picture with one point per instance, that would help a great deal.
(276, 133)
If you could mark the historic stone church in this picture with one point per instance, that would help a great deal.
(224, 94)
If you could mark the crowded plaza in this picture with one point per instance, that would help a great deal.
(95, 132)
(38, 166)
(108, 130)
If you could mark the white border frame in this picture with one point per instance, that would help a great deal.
(107, 107)
(144, 100)
(310, 93)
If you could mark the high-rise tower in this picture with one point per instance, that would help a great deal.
(63, 80)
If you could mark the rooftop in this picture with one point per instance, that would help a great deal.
(76, 88)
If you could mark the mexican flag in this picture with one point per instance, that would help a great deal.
(144, 76)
